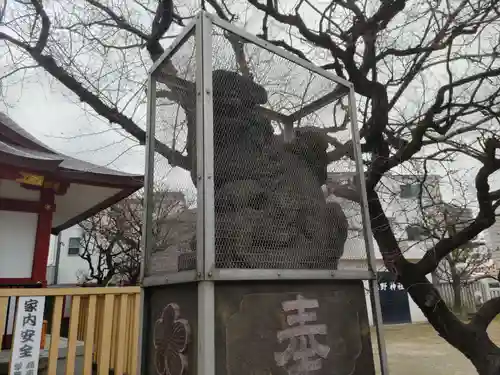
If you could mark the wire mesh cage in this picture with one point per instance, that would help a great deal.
(268, 143)
(171, 171)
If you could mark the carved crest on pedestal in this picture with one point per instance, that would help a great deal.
(171, 340)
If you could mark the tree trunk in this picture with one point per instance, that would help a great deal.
(457, 289)
(471, 339)
(457, 295)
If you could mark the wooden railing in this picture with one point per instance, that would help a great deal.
(103, 325)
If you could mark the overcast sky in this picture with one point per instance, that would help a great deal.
(48, 112)
(45, 109)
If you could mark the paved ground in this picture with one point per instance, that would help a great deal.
(415, 349)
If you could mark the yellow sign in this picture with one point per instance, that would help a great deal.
(30, 179)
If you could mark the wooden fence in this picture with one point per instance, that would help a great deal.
(105, 321)
(487, 288)
(467, 291)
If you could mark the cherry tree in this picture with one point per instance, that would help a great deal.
(425, 75)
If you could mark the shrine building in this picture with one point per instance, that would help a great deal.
(43, 192)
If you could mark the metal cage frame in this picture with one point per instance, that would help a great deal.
(206, 273)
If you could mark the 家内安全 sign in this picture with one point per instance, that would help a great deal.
(27, 336)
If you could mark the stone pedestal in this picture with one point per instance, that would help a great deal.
(263, 328)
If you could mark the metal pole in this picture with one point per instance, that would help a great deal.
(208, 148)
(147, 221)
(252, 38)
(205, 170)
(58, 258)
(374, 292)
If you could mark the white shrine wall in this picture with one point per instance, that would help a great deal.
(17, 240)
(17, 243)
(17, 233)
(11, 190)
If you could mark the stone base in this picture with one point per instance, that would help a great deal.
(264, 328)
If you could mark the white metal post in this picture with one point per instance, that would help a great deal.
(367, 231)
(208, 147)
(200, 183)
(178, 42)
(205, 166)
(147, 221)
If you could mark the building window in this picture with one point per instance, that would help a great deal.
(74, 246)
(416, 232)
(409, 190)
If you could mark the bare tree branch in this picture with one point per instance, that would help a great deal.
(426, 83)
(484, 219)
(486, 314)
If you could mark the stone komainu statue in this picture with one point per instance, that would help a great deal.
(270, 211)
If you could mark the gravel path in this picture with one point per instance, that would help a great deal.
(415, 349)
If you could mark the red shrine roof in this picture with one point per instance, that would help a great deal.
(91, 188)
